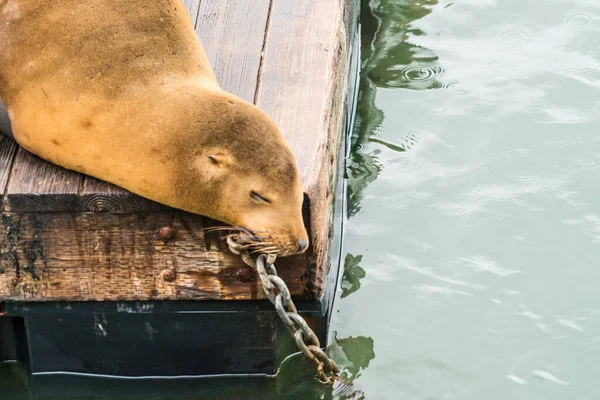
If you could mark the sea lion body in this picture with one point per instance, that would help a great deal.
(123, 91)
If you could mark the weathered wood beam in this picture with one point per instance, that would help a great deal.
(8, 148)
(232, 33)
(302, 86)
(156, 256)
(39, 186)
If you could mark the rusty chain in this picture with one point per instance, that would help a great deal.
(278, 293)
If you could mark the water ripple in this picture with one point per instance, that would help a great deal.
(513, 36)
(567, 196)
(411, 265)
(478, 198)
(458, 88)
(547, 376)
(516, 379)
(366, 230)
(581, 59)
(579, 20)
(593, 221)
(527, 313)
(482, 263)
(431, 289)
(420, 76)
(569, 324)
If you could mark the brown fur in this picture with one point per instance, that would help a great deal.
(123, 91)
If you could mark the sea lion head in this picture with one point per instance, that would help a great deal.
(240, 170)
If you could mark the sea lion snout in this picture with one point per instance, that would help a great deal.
(302, 245)
(300, 238)
(273, 231)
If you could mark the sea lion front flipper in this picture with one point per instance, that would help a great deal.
(5, 121)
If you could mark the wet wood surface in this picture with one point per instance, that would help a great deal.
(67, 236)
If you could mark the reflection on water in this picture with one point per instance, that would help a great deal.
(390, 60)
(14, 382)
(474, 227)
(353, 354)
(353, 273)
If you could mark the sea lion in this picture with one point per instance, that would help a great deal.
(123, 91)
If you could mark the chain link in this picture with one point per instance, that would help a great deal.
(278, 293)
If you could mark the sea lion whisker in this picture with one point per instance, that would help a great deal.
(217, 230)
(264, 248)
(268, 252)
(221, 228)
(264, 243)
(257, 251)
(272, 251)
(251, 233)
(271, 246)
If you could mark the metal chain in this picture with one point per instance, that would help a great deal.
(279, 294)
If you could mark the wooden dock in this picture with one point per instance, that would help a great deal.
(80, 250)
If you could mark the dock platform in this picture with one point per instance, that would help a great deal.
(89, 270)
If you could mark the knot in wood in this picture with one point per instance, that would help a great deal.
(168, 275)
(167, 233)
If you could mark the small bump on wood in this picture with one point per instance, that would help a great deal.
(167, 233)
(168, 275)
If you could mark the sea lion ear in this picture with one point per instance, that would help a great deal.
(220, 159)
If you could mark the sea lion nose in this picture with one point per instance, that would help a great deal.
(302, 244)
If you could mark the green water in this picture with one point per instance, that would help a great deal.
(473, 235)
(474, 231)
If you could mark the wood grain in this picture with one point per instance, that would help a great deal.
(100, 196)
(232, 33)
(94, 256)
(39, 186)
(8, 148)
(192, 7)
(300, 88)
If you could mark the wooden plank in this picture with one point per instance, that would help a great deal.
(39, 186)
(97, 256)
(100, 196)
(302, 86)
(232, 33)
(192, 7)
(220, 25)
(8, 148)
